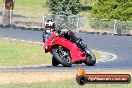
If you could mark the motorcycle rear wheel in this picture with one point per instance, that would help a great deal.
(59, 53)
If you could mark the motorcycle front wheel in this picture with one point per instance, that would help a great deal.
(62, 55)
(90, 58)
(54, 62)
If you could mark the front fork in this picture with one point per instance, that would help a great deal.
(90, 53)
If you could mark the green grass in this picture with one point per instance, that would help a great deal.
(29, 6)
(22, 53)
(65, 84)
(1, 4)
(13, 53)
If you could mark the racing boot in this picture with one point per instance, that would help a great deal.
(80, 44)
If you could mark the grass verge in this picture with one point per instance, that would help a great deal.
(13, 53)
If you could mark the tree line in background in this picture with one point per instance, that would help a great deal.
(110, 9)
(64, 7)
(113, 9)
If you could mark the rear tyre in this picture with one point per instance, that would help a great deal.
(54, 62)
(62, 56)
(90, 58)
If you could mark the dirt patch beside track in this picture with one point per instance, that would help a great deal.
(31, 77)
(36, 77)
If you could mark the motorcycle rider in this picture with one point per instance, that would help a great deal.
(68, 34)
(49, 28)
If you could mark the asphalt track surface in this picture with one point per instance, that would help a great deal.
(119, 45)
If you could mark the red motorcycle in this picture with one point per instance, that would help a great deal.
(66, 52)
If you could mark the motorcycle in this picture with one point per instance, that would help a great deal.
(66, 52)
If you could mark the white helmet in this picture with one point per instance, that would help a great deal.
(49, 26)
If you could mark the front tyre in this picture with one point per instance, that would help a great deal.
(54, 61)
(62, 55)
(90, 58)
